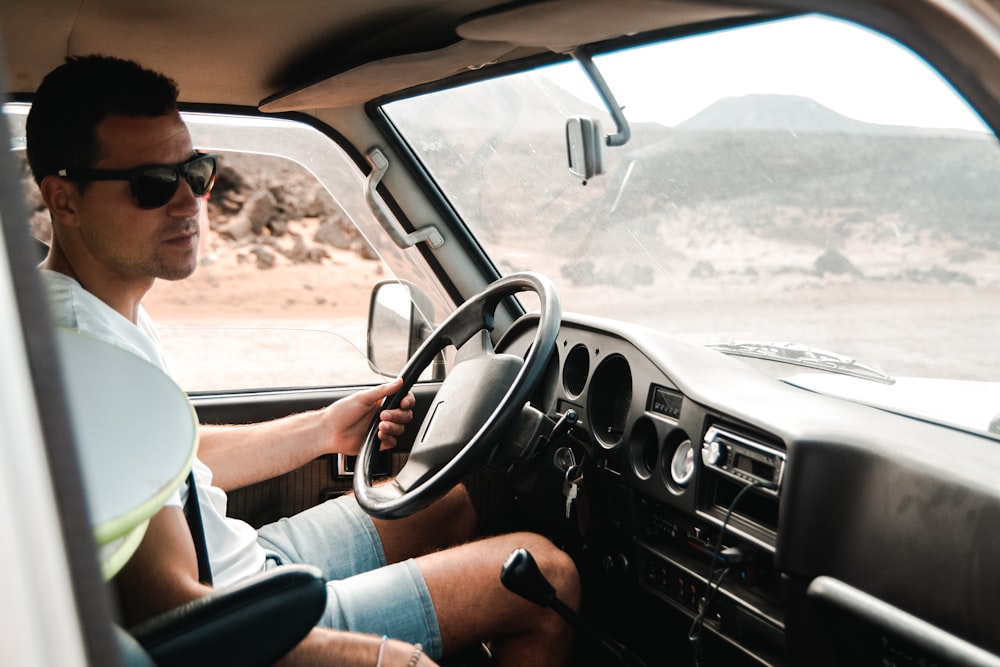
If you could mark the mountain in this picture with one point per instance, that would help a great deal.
(772, 113)
(795, 114)
(759, 155)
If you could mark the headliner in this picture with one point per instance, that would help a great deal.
(285, 55)
(242, 52)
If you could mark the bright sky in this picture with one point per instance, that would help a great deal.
(851, 70)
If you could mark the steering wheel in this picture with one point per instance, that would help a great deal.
(481, 397)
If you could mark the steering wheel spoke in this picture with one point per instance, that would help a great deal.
(479, 345)
(482, 396)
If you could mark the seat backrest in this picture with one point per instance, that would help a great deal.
(137, 436)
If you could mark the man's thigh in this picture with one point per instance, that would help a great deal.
(446, 522)
(363, 594)
(393, 600)
(336, 536)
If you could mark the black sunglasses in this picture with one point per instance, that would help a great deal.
(153, 185)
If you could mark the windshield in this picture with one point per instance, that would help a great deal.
(799, 185)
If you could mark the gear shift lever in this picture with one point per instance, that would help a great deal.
(520, 574)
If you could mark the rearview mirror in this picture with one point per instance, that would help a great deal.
(584, 147)
(584, 143)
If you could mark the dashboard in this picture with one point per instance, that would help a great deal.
(775, 519)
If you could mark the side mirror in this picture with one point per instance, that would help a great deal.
(399, 319)
(584, 147)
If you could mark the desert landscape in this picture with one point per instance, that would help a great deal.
(281, 293)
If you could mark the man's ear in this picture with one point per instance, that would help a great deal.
(60, 195)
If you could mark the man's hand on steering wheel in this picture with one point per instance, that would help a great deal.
(350, 419)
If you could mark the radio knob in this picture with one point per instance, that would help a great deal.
(615, 563)
(713, 452)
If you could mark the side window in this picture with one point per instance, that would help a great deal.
(288, 257)
(280, 296)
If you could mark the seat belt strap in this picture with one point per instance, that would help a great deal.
(192, 512)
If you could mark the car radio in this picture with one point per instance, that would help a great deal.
(743, 459)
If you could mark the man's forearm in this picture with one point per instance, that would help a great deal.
(240, 455)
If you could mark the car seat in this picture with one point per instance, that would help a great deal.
(136, 435)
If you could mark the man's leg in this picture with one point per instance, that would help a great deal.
(342, 540)
(447, 522)
(472, 604)
(462, 583)
(463, 578)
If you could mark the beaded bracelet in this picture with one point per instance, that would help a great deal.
(415, 657)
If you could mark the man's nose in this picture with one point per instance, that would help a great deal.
(185, 203)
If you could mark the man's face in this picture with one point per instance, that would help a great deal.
(129, 241)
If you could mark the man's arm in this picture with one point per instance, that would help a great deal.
(324, 648)
(163, 572)
(163, 575)
(245, 454)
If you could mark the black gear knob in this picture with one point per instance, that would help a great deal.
(520, 574)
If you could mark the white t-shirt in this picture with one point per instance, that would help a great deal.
(232, 544)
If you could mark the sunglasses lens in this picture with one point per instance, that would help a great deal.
(201, 174)
(155, 186)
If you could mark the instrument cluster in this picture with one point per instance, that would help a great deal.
(674, 472)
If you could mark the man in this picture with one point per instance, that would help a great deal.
(118, 172)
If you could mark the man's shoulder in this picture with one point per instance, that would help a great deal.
(64, 295)
(55, 281)
(73, 307)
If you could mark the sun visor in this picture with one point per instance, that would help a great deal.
(374, 79)
(561, 25)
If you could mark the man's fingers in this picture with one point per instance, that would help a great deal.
(388, 388)
(391, 429)
(388, 433)
(378, 393)
(399, 416)
(408, 402)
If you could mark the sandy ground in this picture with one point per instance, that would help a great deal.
(229, 287)
(232, 324)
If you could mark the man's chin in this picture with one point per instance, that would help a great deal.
(178, 271)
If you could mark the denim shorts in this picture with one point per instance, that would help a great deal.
(363, 593)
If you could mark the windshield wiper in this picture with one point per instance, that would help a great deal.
(803, 355)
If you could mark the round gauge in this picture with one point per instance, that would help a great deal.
(644, 447)
(610, 400)
(576, 369)
(682, 465)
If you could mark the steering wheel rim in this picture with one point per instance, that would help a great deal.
(482, 386)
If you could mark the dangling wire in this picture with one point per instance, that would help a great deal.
(694, 633)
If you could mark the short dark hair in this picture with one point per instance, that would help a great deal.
(76, 96)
